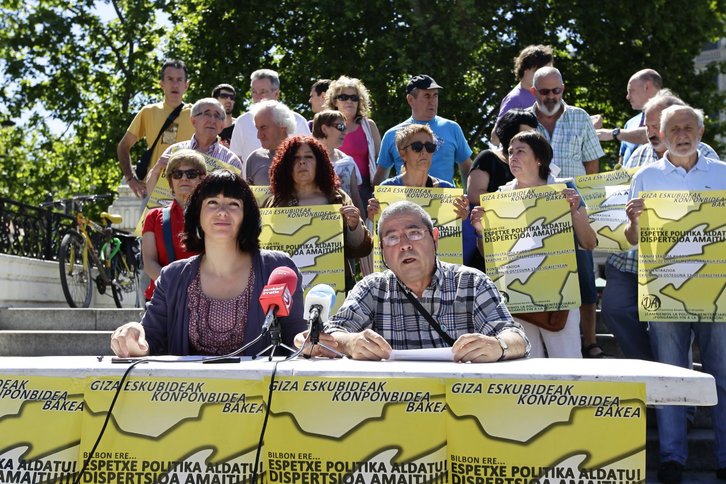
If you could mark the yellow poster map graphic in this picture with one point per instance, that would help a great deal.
(521, 432)
(357, 430)
(439, 204)
(172, 430)
(605, 195)
(161, 196)
(313, 237)
(40, 426)
(529, 248)
(682, 256)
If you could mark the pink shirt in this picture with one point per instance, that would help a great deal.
(356, 146)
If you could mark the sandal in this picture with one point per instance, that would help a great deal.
(593, 351)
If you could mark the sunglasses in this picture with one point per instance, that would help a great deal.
(545, 92)
(418, 146)
(191, 174)
(339, 126)
(347, 97)
(224, 95)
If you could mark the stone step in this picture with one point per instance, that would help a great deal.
(54, 343)
(59, 319)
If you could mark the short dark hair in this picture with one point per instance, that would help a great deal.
(540, 147)
(217, 90)
(532, 56)
(508, 125)
(321, 86)
(282, 184)
(230, 185)
(176, 64)
(326, 117)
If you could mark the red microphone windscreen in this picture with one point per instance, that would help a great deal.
(284, 275)
(278, 291)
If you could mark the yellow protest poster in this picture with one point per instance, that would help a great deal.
(542, 431)
(439, 204)
(313, 237)
(356, 430)
(529, 248)
(261, 193)
(605, 195)
(40, 426)
(682, 256)
(172, 430)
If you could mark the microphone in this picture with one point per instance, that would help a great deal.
(276, 296)
(318, 303)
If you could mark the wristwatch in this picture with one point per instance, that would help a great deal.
(615, 134)
(505, 348)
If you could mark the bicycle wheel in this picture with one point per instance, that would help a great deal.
(125, 281)
(75, 278)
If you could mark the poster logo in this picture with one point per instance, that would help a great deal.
(650, 303)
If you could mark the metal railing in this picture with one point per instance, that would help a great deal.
(31, 231)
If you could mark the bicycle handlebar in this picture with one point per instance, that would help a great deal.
(75, 199)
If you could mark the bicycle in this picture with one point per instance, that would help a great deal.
(116, 264)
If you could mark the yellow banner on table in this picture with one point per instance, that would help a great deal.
(161, 196)
(172, 430)
(40, 426)
(357, 430)
(682, 256)
(605, 195)
(439, 204)
(313, 237)
(529, 248)
(537, 431)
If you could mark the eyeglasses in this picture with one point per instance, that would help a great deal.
(211, 115)
(418, 146)
(347, 97)
(413, 234)
(191, 174)
(339, 126)
(546, 92)
(225, 95)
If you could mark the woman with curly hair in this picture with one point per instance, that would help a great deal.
(362, 138)
(301, 174)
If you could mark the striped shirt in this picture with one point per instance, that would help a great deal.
(215, 150)
(461, 299)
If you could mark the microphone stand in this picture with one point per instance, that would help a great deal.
(316, 325)
(275, 340)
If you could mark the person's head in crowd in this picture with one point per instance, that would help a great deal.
(548, 88)
(652, 111)
(207, 118)
(416, 145)
(317, 94)
(422, 95)
(530, 59)
(329, 127)
(184, 171)
(174, 81)
(264, 85)
(274, 122)
(642, 86)
(349, 96)
(511, 123)
(408, 241)
(301, 161)
(225, 94)
(220, 191)
(681, 129)
(530, 156)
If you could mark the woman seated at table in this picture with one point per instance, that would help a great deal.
(300, 175)
(416, 146)
(208, 304)
(530, 156)
(161, 243)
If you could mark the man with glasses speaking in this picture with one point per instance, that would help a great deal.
(421, 302)
(208, 116)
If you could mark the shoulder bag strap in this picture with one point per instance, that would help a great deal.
(145, 159)
(168, 236)
(434, 324)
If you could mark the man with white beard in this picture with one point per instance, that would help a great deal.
(568, 129)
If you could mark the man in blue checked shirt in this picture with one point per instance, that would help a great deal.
(380, 313)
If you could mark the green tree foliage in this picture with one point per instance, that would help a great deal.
(93, 75)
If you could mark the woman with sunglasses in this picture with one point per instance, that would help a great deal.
(208, 304)
(362, 138)
(416, 146)
(329, 129)
(160, 240)
(301, 175)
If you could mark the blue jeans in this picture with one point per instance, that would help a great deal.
(620, 313)
(671, 343)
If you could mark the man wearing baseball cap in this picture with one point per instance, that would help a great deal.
(422, 94)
